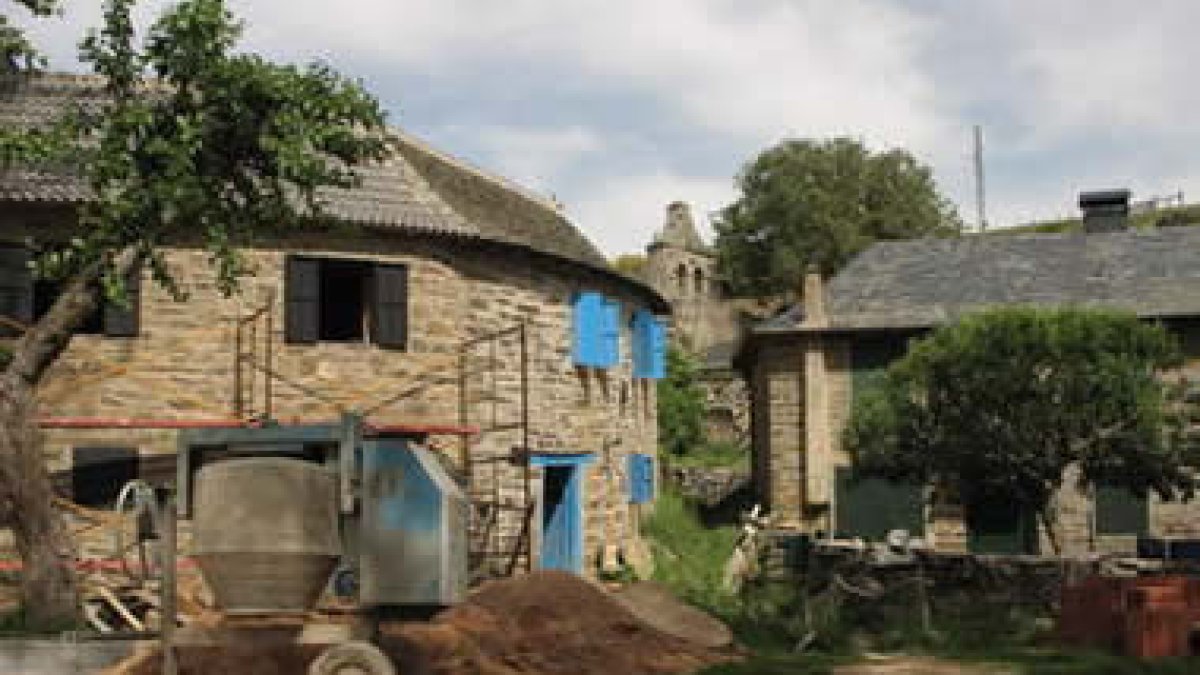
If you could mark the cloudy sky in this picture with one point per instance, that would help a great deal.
(616, 107)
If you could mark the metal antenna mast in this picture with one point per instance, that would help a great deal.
(979, 194)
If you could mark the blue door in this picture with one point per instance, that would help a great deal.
(562, 510)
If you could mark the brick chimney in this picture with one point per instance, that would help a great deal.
(1105, 210)
(814, 298)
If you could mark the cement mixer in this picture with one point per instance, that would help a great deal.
(283, 515)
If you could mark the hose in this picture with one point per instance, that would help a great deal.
(143, 504)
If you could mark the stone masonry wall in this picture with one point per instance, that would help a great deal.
(181, 365)
(778, 409)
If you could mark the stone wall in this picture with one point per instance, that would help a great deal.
(727, 408)
(777, 390)
(181, 365)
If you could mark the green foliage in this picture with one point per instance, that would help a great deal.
(17, 53)
(689, 558)
(1171, 216)
(807, 202)
(630, 264)
(218, 147)
(680, 405)
(999, 404)
(711, 454)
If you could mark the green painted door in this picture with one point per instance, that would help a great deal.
(1001, 527)
(1119, 511)
(870, 508)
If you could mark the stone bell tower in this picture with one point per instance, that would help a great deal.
(683, 269)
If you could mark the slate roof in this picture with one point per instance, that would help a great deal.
(418, 189)
(919, 283)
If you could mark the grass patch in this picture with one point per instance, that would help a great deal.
(712, 455)
(690, 561)
(689, 558)
(768, 618)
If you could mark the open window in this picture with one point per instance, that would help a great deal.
(340, 300)
(99, 473)
(25, 299)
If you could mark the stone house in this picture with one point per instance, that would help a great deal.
(418, 303)
(807, 364)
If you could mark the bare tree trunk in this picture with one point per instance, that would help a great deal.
(42, 539)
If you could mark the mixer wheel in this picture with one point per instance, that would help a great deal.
(352, 658)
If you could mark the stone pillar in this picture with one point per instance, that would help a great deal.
(818, 448)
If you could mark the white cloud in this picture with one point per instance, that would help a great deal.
(533, 157)
(1071, 93)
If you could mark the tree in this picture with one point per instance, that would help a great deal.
(630, 264)
(807, 202)
(16, 51)
(215, 147)
(998, 405)
(680, 405)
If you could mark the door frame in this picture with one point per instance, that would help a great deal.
(574, 497)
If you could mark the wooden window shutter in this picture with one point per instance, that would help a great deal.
(610, 333)
(657, 349)
(639, 345)
(389, 316)
(16, 287)
(640, 475)
(123, 320)
(585, 327)
(302, 299)
(649, 346)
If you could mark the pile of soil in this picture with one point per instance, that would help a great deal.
(545, 623)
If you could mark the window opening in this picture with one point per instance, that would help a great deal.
(345, 285)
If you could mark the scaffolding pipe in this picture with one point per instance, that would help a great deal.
(525, 449)
(157, 423)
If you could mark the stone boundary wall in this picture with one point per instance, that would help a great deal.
(709, 486)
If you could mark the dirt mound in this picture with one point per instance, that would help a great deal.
(657, 606)
(545, 623)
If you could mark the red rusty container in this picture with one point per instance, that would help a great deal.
(1092, 613)
(1158, 619)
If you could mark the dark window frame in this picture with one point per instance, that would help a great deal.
(382, 301)
(32, 298)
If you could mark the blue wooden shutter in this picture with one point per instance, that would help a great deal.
(658, 349)
(302, 293)
(640, 474)
(586, 320)
(649, 346)
(389, 316)
(610, 334)
(16, 287)
(122, 320)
